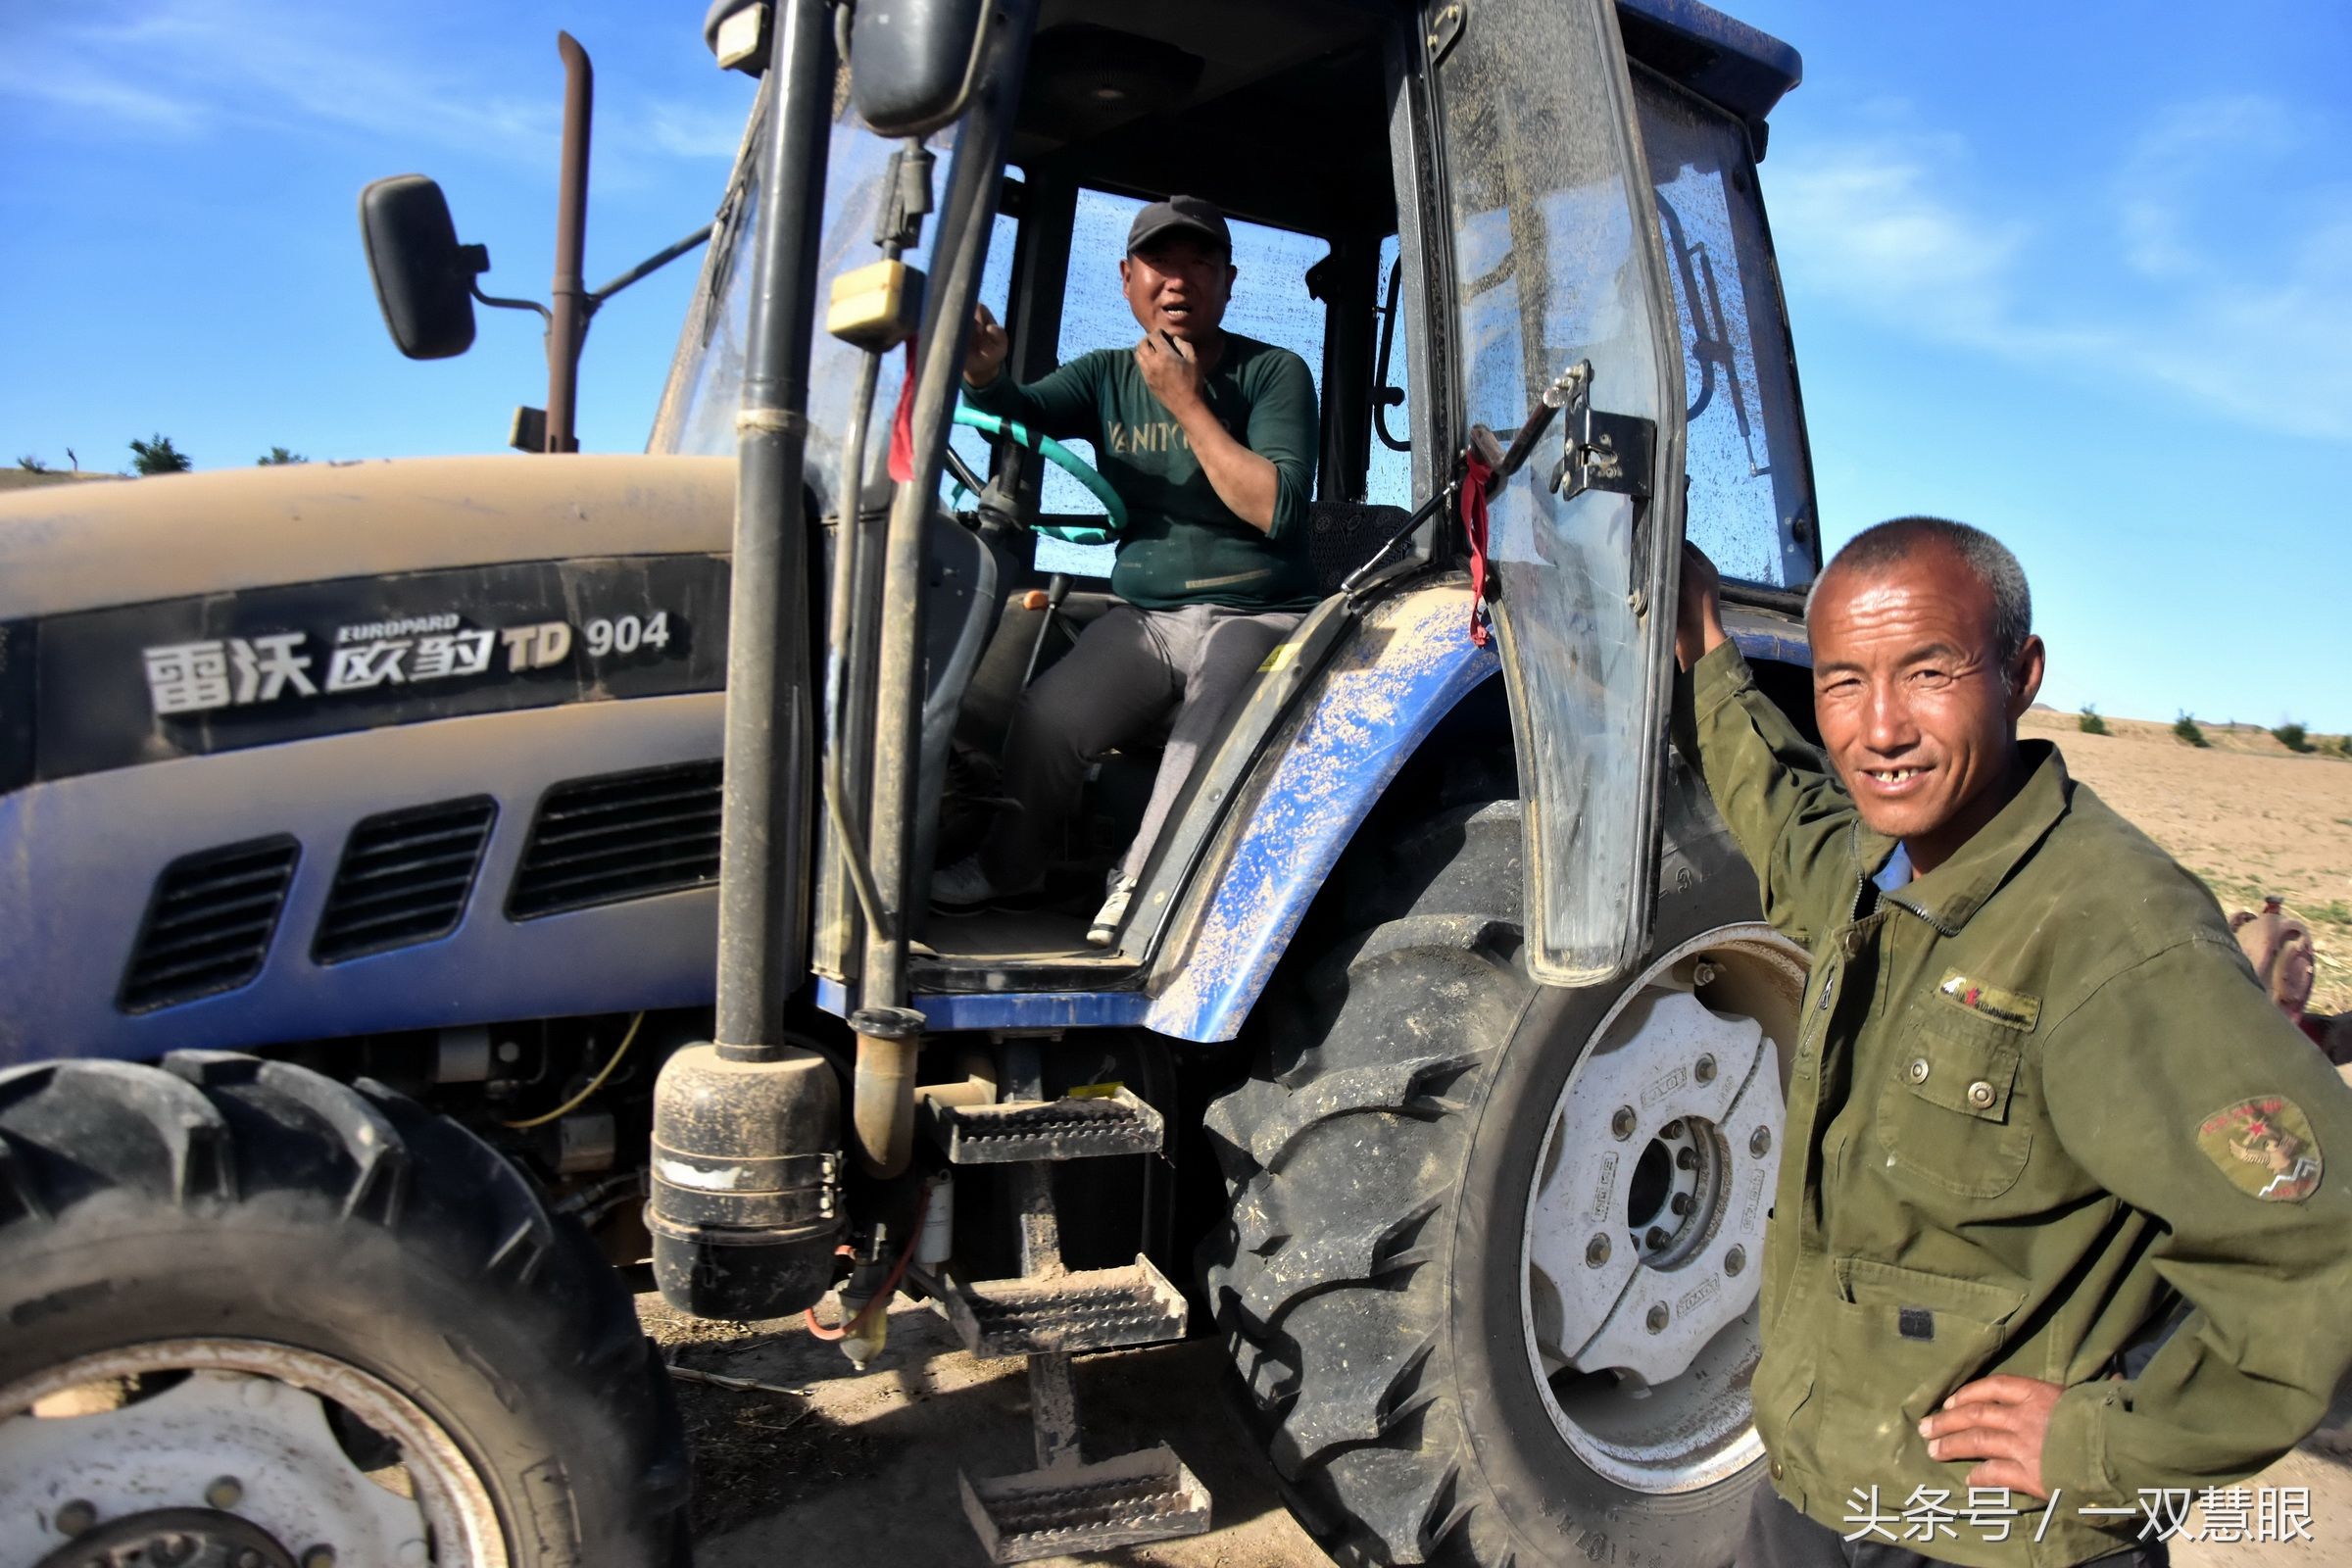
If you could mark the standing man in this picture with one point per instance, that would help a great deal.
(1209, 439)
(2038, 1112)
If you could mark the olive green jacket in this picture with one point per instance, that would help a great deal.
(2036, 1102)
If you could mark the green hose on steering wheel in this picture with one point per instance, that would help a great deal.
(1062, 458)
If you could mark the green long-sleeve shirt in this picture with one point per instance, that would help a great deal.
(1182, 544)
(2036, 1102)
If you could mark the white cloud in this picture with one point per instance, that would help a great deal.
(212, 63)
(2177, 160)
(2255, 329)
(76, 87)
(693, 130)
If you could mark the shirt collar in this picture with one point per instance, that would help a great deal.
(1955, 890)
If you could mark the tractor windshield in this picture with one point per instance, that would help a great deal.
(697, 415)
(1751, 485)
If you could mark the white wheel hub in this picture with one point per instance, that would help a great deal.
(243, 1432)
(1644, 1242)
(1651, 1226)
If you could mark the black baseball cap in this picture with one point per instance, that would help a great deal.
(1180, 214)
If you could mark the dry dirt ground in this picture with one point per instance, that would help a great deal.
(847, 1469)
(851, 1469)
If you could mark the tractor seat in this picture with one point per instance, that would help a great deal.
(1342, 534)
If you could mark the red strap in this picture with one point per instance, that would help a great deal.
(1474, 524)
(902, 425)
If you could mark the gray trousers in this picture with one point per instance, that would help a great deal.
(1129, 670)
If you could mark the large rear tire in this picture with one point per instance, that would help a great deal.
(1480, 1279)
(283, 1319)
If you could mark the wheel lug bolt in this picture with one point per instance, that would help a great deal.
(1680, 1203)
(226, 1492)
(1704, 1072)
(1596, 1251)
(1658, 1317)
(249, 1558)
(1735, 1260)
(1672, 1130)
(1687, 1158)
(1622, 1124)
(1759, 1142)
(1658, 1237)
(319, 1558)
(76, 1516)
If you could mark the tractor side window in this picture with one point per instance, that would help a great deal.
(1388, 481)
(1751, 492)
(1270, 303)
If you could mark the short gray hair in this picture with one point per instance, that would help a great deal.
(1897, 540)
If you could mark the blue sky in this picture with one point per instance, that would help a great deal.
(2081, 274)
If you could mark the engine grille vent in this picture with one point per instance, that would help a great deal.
(405, 878)
(209, 923)
(620, 836)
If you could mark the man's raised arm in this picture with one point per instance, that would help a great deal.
(1794, 822)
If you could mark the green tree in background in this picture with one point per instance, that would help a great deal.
(157, 454)
(276, 456)
(32, 464)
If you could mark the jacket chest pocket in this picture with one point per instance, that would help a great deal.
(1947, 1114)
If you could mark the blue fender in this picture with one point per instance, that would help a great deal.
(1386, 691)
(1390, 684)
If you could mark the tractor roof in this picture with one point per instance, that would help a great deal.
(1740, 68)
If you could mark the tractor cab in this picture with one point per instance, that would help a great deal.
(1465, 227)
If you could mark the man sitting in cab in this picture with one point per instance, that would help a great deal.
(1209, 439)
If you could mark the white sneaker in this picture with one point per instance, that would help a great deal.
(1113, 914)
(962, 886)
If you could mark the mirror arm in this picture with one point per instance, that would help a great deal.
(545, 315)
(652, 264)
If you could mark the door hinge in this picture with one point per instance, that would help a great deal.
(1599, 451)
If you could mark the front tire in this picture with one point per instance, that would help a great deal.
(1408, 1236)
(258, 1310)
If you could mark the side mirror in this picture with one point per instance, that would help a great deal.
(913, 62)
(423, 278)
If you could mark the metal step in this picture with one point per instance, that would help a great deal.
(1017, 1130)
(1091, 1309)
(1144, 1495)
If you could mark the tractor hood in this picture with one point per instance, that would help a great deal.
(66, 549)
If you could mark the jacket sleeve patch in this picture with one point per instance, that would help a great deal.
(2012, 1007)
(2264, 1147)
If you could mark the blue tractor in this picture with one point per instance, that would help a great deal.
(439, 898)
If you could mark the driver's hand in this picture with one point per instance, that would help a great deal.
(1698, 614)
(984, 356)
(1169, 370)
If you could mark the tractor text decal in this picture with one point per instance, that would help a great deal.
(198, 677)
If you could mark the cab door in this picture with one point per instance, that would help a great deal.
(1557, 264)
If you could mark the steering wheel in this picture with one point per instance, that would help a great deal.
(1062, 458)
